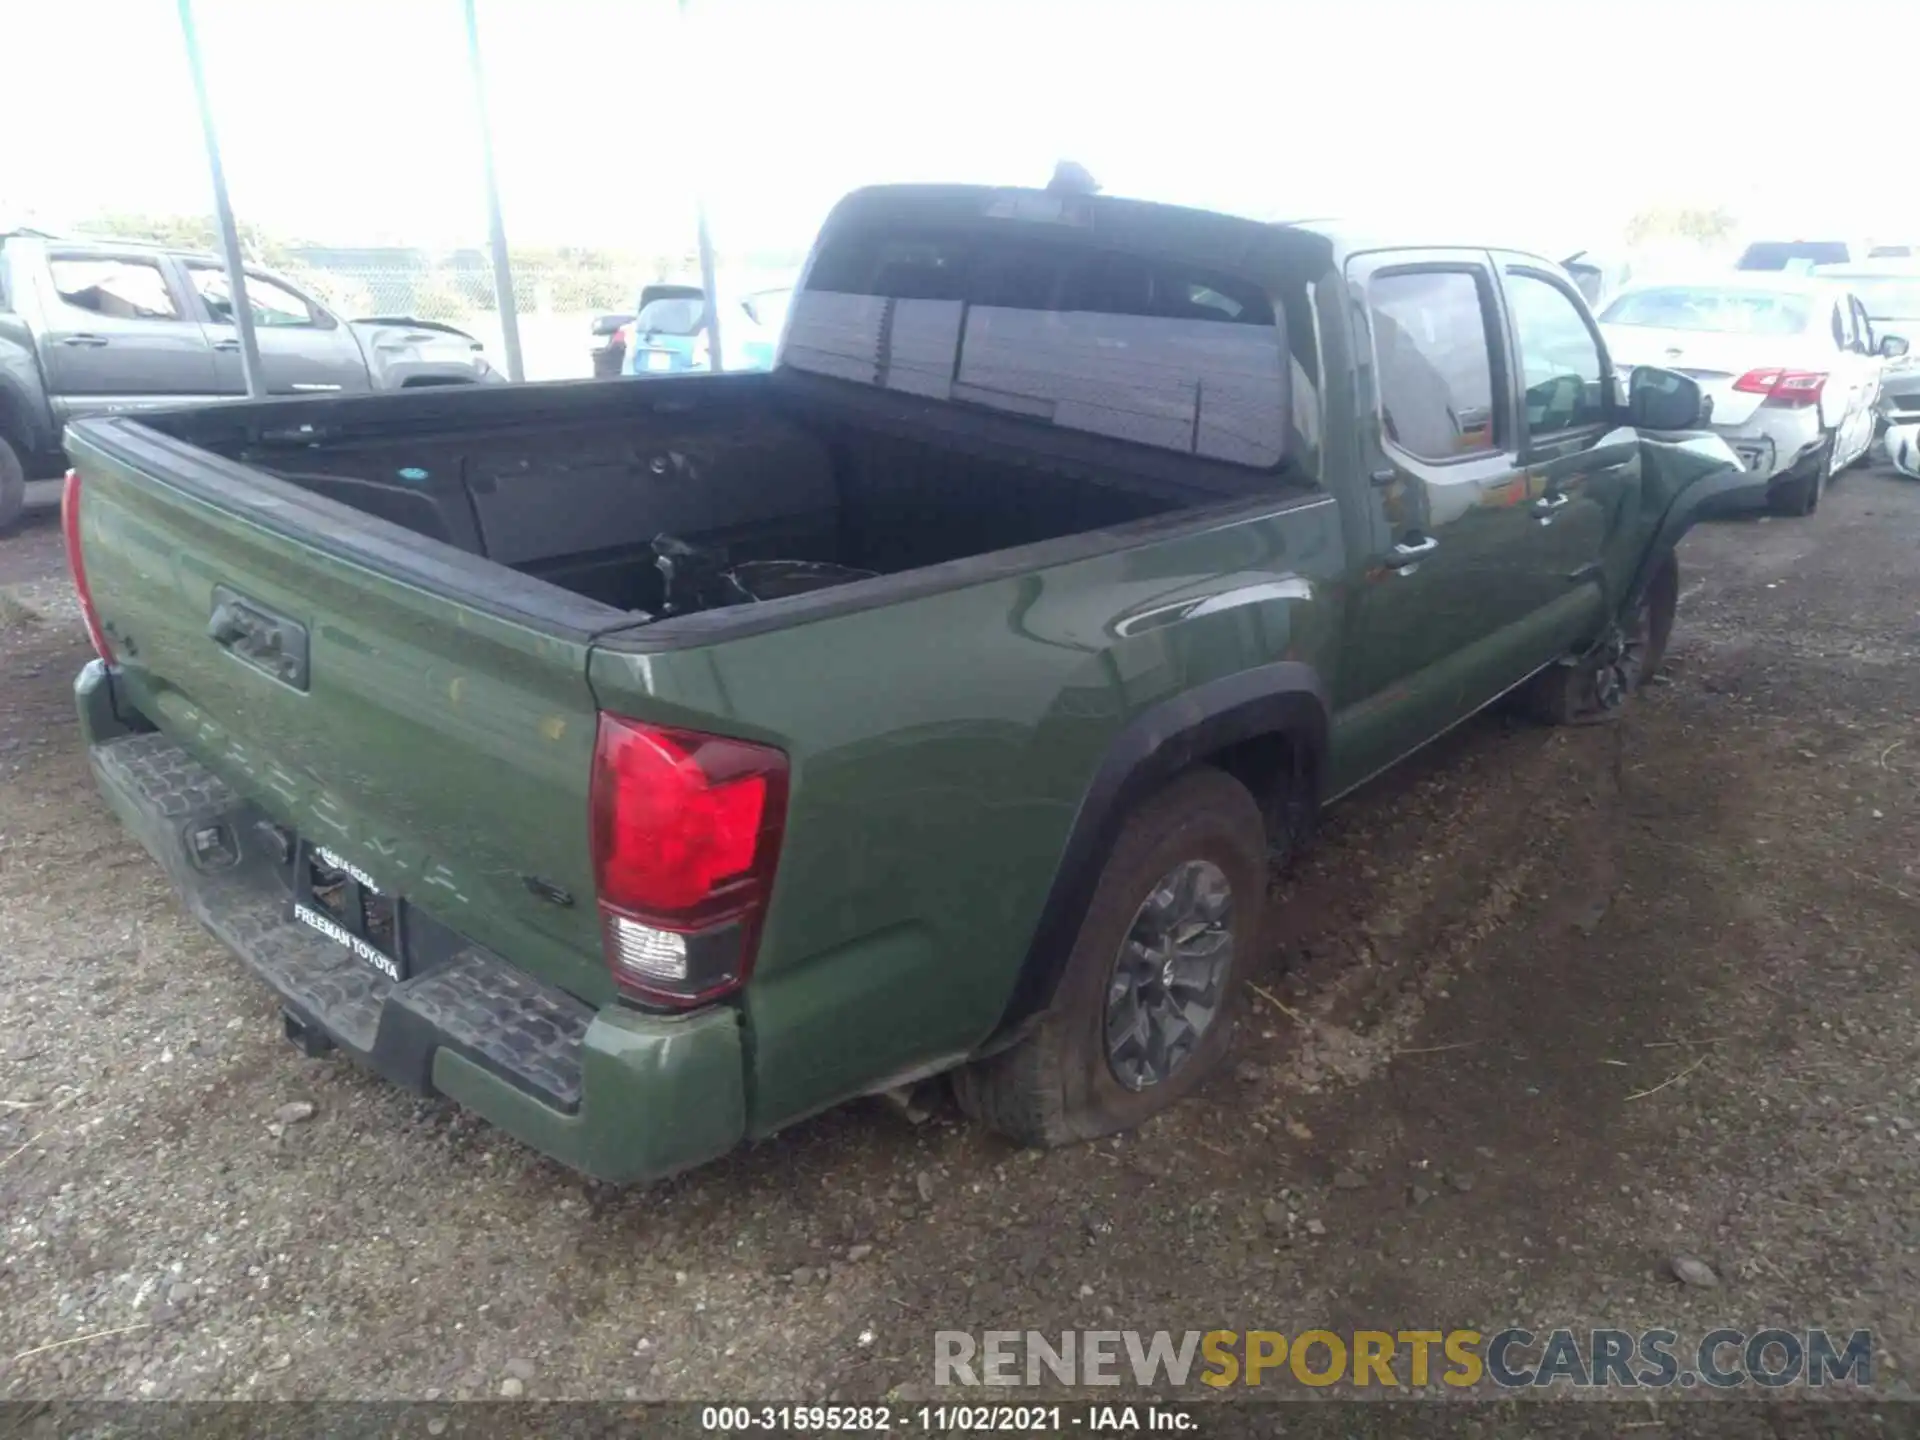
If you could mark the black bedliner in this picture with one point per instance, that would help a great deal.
(574, 483)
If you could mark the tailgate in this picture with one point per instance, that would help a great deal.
(419, 711)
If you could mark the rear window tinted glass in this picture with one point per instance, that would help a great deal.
(1726, 310)
(1142, 350)
(1793, 254)
(1436, 367)
(669, 317)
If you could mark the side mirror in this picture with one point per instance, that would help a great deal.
(1664, 400)
(1892, 347)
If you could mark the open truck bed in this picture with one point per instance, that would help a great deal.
(574, 484)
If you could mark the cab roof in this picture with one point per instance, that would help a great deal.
(1232, 241)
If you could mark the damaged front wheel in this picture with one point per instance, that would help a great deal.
(1592, 688)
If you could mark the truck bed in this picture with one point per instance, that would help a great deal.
(572, 484)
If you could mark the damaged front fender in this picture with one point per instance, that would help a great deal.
(1683, 479)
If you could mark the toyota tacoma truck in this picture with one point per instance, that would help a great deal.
(648, 767)
(93, 327)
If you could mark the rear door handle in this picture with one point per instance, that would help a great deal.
(84, 341)
(1406, 554)
(226, 347)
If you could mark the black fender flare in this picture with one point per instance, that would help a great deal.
(1285, 698)
(31, 429)
(1700, 500)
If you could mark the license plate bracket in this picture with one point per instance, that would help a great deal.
(339, 900)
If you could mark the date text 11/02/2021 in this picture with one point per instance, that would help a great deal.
(946, 1419)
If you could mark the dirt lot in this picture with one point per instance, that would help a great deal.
(1564, 1003)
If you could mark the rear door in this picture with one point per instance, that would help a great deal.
(1851, 381)
(304, 350)
(1873, 369)
(1447, 591)
(1582, 467)
(120, 333)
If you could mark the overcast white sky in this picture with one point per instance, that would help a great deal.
(350, 121)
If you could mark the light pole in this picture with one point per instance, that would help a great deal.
(497, 229)
(223, 215)
(707, 281)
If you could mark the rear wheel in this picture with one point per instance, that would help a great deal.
(13, 485)
(1801, 495)
(1147, 1003)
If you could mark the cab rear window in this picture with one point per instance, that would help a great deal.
(1139, 349)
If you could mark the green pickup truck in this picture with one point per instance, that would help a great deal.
(647, 764)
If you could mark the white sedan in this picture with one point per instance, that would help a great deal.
(1786, 360)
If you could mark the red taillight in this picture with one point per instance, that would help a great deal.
(77, 565)
(1783, 387)
(623, 337)
(686, 832)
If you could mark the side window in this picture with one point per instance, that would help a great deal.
(1862, 326)
(1435, 362)
(121, 289)
(1559, 356)
(272, 305)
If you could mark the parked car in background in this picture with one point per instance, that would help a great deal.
(1596, 276)
(1787, 361)
(95, 327)
(1903, 448)
(1890, 291)
(609, 346)
(611, 332)
(767, 310)
(1799, 255)
(669, 335)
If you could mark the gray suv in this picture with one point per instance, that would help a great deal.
(92, 327)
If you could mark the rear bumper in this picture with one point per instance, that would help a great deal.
(1774, 440)
(1899, 402)
(620, 1095)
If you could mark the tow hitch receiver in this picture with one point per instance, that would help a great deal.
(306, 1037)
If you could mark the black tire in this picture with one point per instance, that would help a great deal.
(1597, 688)
(1057, 1084)
(13, 485)
(1801, 495)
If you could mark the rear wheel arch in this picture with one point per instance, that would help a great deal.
(13, 482)
(23, 425)
(1266, 727)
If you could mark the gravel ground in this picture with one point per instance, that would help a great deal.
(1558, 1005)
